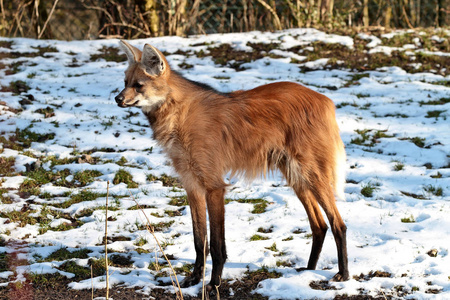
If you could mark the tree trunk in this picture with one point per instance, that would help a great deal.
(326, 10)
(366, 13)
(388, 14)
(153, 18)
(444, 7)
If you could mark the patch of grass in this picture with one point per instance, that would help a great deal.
(440, 101)
(47, 112)
(368, 189)
(41, 176)
(83, 195)
(141, 206)
(412, 195)
(435, 114)
(185, 65)
(369, 137)
(179, 200)
(87, 176)
(273, 248)
(372, 274)
(418, 141)
(21, 217)
(437, 191)
(222, 77)
(48, 280)
(343, 104)
(64, 254)
(173, 213)
(265, 230)
(122, 161)
(119, 260)
(264, 271)
(125, 177)
(409, 219)
(80, 272)
(16, 87)
(438, 175)
(3, 262)
(257, 237)
(259, 204)
(162, 226)
(109, 54)
(141, 241)
(68, 226)
(4, 198)
(289, 238)
(169, 181)
(6, 44)
(29, 187)
(26, 137)
(45, 49)
(399, 166)
(98, 266)
(284, 263)
(7, 166)
(259, 208)
(184, 270)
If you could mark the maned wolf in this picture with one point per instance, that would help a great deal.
(206, 134)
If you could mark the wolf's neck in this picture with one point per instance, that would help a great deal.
(166, 117)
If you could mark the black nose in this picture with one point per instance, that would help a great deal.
(119, 98)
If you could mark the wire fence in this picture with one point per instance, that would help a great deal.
(91, 19)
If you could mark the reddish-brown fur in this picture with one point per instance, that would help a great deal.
(206, 134)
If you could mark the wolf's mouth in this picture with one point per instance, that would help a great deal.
(123, 104)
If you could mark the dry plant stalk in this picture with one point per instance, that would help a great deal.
(179, 294)
(92, 283)
(106, 241)
(204, 268)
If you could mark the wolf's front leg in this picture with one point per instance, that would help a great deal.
(197, 204)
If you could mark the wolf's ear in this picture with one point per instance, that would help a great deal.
(133, 53)
(153, 60)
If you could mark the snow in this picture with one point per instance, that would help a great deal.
(388, 99)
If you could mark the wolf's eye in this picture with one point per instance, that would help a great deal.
(138, 85)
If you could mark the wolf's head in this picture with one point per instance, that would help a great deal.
(145, 78)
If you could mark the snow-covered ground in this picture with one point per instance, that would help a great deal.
(394, 124)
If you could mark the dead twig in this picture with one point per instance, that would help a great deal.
(274, 13)
(48, 19)
(152, 231)
(106, 242)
